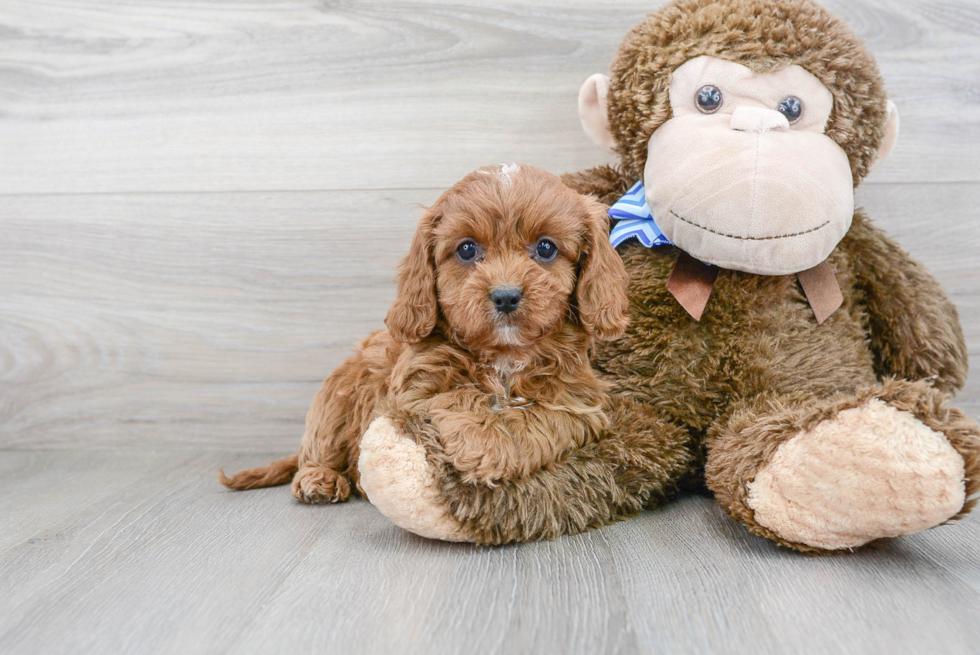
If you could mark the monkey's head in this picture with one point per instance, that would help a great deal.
(750, 122)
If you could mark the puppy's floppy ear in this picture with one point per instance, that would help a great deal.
(413, 315)
(602, 282)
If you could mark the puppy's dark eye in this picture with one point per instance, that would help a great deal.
(791, 107)
(546, 250)
(709, 99)
(466, 251)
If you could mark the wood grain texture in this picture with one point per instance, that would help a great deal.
(210, 320)
(141, 316)
(109, 96)
(910, 597)
(169, 562)
(201, 207)
(158, 565)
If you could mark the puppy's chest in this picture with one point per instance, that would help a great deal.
(500, 379)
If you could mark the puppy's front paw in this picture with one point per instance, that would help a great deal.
(317, 485)
(511, 443)
(398, 481)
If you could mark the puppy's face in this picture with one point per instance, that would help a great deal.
(505, 254)
(509, 254)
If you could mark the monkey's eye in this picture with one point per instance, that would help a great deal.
(709, 99)
(467, 251)
(546, 249)
(791, 107)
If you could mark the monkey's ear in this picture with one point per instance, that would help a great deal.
(413, 315)
(602, 282)
(891, 136)
(592, 111)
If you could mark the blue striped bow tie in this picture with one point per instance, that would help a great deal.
(635, 220)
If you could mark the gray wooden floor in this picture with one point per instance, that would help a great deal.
(200, 209)
(140, 551)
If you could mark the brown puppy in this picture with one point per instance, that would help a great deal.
(509, 279)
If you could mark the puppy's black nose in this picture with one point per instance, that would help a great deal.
(506, 299)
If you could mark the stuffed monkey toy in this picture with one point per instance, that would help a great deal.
(782, 351)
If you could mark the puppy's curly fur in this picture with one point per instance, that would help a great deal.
(508, 392)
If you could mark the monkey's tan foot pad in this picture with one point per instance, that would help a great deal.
(870, 472)
(399, 481)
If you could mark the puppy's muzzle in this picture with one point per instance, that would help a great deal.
(506, 299)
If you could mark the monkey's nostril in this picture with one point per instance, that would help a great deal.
(506, 299)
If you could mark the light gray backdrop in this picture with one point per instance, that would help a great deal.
(201, 205)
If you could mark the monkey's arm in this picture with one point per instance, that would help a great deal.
(607, 183)
(635, 464)
(915, 329)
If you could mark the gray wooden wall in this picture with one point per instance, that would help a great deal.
(201, 204)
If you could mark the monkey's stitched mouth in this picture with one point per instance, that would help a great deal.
(743, 238)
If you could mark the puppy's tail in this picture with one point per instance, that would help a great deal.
(278, 472)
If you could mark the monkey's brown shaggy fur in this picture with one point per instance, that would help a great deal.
(719, 396)
(504, 393)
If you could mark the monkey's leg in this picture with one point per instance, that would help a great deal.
(830, 474)
(410, 479)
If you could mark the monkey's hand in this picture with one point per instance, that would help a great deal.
(915, 329)
(407, 474)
